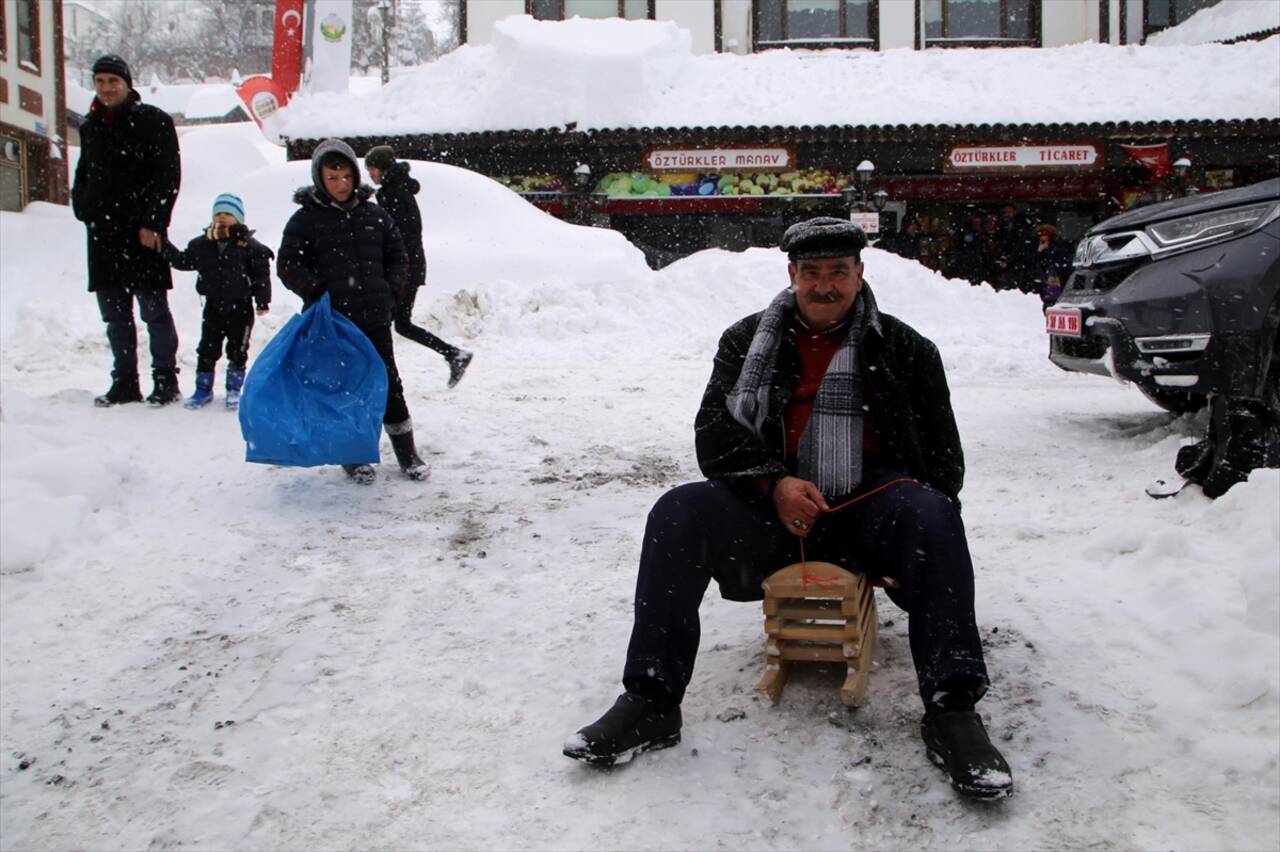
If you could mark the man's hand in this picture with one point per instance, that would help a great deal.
(262, 312)
(799, 504)
(150, 239)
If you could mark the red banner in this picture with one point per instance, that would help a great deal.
(286, 51)
(1154, 157)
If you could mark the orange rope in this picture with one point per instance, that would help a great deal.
(805, 576)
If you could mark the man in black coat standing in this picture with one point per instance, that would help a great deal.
(337, 242)
(396, 195)
(125, 185)
(819, 401)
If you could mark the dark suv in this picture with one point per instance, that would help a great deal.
(1179, 298)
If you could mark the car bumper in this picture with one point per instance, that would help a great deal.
(1187, 322)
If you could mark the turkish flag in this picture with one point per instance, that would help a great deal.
(1154, 157)
(286, 50)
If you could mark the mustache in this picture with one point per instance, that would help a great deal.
(823, 298)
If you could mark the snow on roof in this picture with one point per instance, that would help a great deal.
(613, 74)
(1229, 19)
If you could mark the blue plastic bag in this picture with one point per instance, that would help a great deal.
(315, 395)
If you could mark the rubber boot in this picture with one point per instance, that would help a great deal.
(401, 435)
(123, 389)
(362, 474)
(458, 364)
(166, 388)
(235, 381)
(204, 392)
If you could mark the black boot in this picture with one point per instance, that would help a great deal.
(401, 435)
(363, 474)
(123, 389)
(166, 388)
(633, 725)
(458, 363)
(957, 740)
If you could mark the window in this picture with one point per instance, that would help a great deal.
(27, 18)
(1162, 14)
(980, 23)
(559, 10)
(816, 23)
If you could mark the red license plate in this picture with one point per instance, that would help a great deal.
(1064, 322)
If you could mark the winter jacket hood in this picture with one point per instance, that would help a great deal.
(324, 149)
(397, 178)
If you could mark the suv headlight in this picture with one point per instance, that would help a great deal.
(1215, 225)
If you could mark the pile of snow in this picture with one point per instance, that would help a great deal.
(191, 101)
(201, 653)
(615, 73)
(1226, 20)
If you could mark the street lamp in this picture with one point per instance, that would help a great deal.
(879, 199)
(1181, 167)
(857, 193)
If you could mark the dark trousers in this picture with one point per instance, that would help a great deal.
(231, 322)
(397, 410)
(116, 307)
(908, 531)
(405, 328)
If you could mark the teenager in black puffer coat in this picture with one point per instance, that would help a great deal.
(235, 274)
(339, 243)
(397, 193)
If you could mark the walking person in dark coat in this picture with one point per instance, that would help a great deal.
(341, 244)
(817, 400)
(125, 185)
(396, 195)
(235, 274)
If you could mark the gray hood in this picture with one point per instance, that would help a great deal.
(332, 146)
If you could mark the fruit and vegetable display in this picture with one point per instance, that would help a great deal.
(532, 183)
(666, 184)
(799, 182)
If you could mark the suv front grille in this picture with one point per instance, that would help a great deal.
(1103, 277)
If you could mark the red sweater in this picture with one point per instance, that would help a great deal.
(816, 351)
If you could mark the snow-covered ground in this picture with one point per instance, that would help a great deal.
(200, 653)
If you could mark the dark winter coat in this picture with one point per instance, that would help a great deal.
(906, 390)
(231, 271)
(351, 251)
(396, 196)
(127, 178)
(1053, 262)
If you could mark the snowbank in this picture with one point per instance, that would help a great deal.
(614, 73)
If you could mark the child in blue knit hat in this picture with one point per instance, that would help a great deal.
(234, 276)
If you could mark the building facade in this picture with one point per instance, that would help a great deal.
(33, 114)
(748, 26)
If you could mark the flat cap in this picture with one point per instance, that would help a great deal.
(823, 236)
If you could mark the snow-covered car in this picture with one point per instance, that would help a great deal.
(1180, 298)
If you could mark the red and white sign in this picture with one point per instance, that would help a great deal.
(977, 158)
(868, 222)
(719, 159)
(1064, 322)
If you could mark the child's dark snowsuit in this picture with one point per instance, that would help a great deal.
(235, 273)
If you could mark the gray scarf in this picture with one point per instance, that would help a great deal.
(830, 452)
